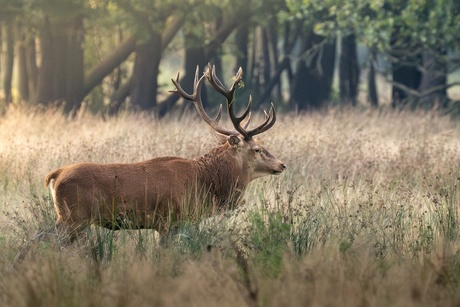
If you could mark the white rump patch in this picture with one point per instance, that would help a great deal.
(53, 191)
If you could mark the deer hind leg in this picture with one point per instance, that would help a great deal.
(71, 221)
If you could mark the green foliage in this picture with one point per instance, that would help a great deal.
(37, 13)
(10, 9)
(269, 238)
(431, 23)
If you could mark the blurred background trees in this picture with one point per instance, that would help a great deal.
(111, 55)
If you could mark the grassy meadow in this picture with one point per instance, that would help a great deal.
(365, 215)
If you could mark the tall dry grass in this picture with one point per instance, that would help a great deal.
(366, 214)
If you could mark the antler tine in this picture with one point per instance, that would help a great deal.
(248, 120)
(218, 85)
(267, 124)
(246, 112)
(228, 93)
(179, 90)
(196, 99)
(219, 114)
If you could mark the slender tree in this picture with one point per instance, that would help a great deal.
(8, 41)
(349, 70)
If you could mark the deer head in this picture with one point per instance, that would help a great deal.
(258, 161)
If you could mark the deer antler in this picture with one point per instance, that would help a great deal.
(228, 93)
(196, 99)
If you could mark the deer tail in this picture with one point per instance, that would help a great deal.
(51, 176)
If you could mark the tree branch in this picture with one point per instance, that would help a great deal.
(421, 94)
(173, 25)
(95, 76)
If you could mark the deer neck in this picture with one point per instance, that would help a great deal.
(222, 173)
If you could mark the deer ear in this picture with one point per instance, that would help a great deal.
(233, 140)
(222, 138)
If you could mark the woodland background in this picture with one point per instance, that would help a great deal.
(112, 55)
(367, 209)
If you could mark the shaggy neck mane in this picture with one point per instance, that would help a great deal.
(222, 175)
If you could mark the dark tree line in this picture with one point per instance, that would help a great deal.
(109, 53)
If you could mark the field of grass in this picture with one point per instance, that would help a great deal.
(365, 215)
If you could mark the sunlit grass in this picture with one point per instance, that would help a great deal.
(366, 214)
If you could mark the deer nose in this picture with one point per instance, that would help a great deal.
(283, 166)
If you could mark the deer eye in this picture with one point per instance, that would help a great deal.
(257, 150)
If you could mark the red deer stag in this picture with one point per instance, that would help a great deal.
(152, 193)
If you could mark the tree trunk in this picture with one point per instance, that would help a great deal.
(434, 80)
(405, 77)
(371, 84)
(61, 60)
(312, 83)
(405, 72)
(45, 82)
(118, 71)
(8, 36)
(212, 30)
(349, 71)
(1, 58)
(291, 35)
(23, 76)
(74, 66)
(194, 56)
(261, 71)
(144, 85)
(274, 56)
(241, 45)
(266, 71)
(61, 72)
(32, 69)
